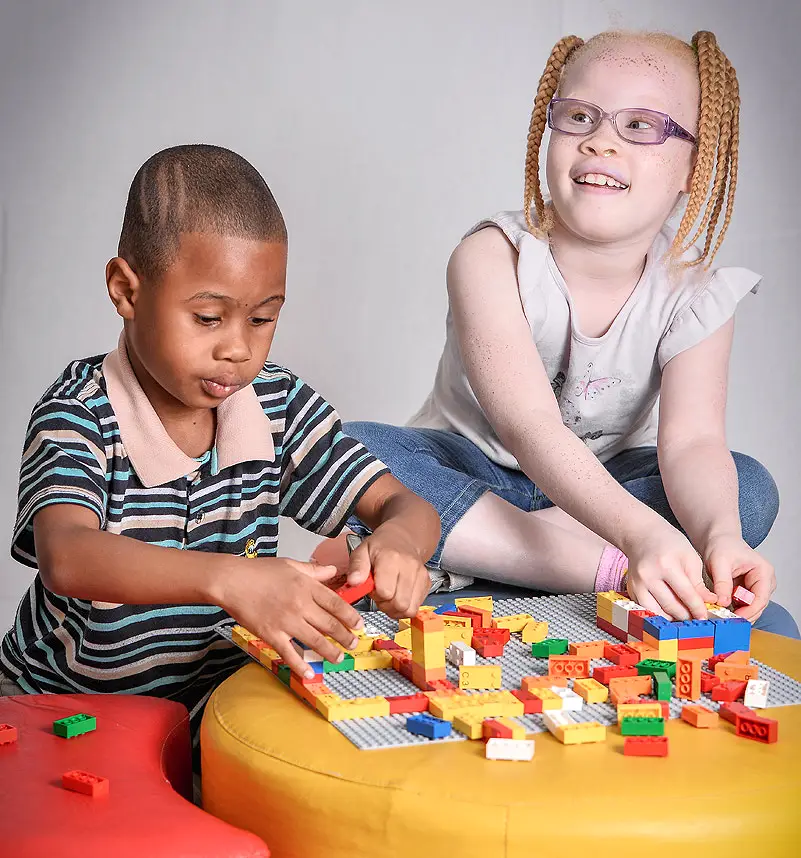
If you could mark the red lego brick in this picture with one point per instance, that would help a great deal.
(532, 705)
(604, 674)
(728, 692)
(569, 665)
(85, 783)
(730, 711)
(488, 650)
(645, 746)
(8, 734)
(401, 704)
(610, 629)
(741, 597)
(353, 594)
(765, 730)
(696, 643)
(441, 685)
(501, 636)
(708, 681)
(622, 655)
(255, 646)
(492, 729)
(484, 617)
(716, 659)
(405, 669)
(386, 645)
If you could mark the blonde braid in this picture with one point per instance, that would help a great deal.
(718, 137)
(545, 91)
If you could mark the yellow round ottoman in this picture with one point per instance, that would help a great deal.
(275, 767)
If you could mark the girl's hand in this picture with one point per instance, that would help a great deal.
(664, 575)
(401, 578)
(731, 561)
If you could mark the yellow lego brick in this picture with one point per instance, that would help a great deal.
(404, 624)
(581, 733)
(534, 631)
(470, 724)
(458, 633)
(483, 602)
(241, 636)
(404, 638)
(424, 609)
(326, 704)
(638, 710)
(514, 622)
(489, 705)
(480, 676)
(591, 690)
(445, 707)
(357, 707)
(376, 659)
(450, 620)
(550, 700)
(669, 650)
(268, 657)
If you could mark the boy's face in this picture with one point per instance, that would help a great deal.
(205, 329)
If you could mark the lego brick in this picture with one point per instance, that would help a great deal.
(346, 664)
(639, 710)
(738, 657)
(569, 665)
(531, 704)
(756, 693)
(695, 644)
(514, 622)
(502, 728)
(352, 594)
(85, 783)
(74, 725)
(480, 676)
(376, 659)
(382, 644)
(765, 730)
(645, 746)
(422, 677)
(581, 733)
(647, 653)
(571, 702)
(554, 720)
(622, 687)
(519, 750)
(527, 683)
(728, 692)
(487, 648)
(268, 657)
(669, 649)
(423, 724)
(534, 632)
(708, 681)
(726, 671)
(719, 612)
(699, 716)
(642, 726)
(688, 679)
(588, 649)
(652, 666)
(469, 724)
(741, 597)
(254, 645)
(443, 609)
(717, 659)
(283, 673)
(404, 638)
(731, 634)
(454, 633)
(428, 622)
(406, 703)
(620, 613)
(606, 673)
(660, 628)
(485, 603)
(591, 690)
(241, 636)
(481, 619)
(460, 654)
(8, 734)
(695, 629)
(730, 711)
(356, 707)
(662, 685)
(621, 655)
(549, 647)
(606, 625)
(550, 699)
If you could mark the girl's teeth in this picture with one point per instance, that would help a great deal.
(598, 179)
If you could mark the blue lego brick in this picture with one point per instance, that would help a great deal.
(689, 629)
(422, 724)
(316, 666)
(442, 609)
(731, 634)
(660, 628)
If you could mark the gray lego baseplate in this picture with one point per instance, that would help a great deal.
(571, 617)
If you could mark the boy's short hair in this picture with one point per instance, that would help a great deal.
(194, 188)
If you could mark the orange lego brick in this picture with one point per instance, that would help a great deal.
(726, 672)
(740, 656)
(699, 716)
(529, 682)
(588, 649)
(688, 678)
(569, 665)
(629, 686)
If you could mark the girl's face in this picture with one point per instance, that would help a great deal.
(615, 76)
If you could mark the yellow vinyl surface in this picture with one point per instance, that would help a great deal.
(275, 767)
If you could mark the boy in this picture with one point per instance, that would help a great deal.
(184, 438)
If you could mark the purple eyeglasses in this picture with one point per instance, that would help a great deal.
(633, 124)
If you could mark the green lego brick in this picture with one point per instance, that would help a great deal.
(284, 673)
(664, 687)
(75, 725)
(345, 664)
(550, 646)
(652, 665)
(642, 727)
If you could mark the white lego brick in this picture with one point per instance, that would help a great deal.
(722, 613)
(510, 749)
(571, 702)
(555, 718)
(756, 693)
(461, 655)
(620, 613)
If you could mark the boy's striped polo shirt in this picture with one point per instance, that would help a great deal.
(95, 440)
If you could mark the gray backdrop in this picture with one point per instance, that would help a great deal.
(385, 130)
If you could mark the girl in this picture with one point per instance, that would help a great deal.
(576, 425)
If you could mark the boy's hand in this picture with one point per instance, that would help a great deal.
(401, 578)
(664, 575)
(288, 600)
(731, 561)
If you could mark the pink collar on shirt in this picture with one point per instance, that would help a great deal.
(244, 432)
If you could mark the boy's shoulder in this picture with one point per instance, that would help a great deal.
(81, 380)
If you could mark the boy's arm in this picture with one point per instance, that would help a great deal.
(406, 531)
(698, 471)
(275, 598)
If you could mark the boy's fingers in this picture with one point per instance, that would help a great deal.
(325, 624)
(312, 637)
(668, 601)
(643, 597)
(319, 573)
(338, 608)
(387, 581)
(404, 590)
(720, 570)
(290, 657)
(359, 565)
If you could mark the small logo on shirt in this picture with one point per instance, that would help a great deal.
(250, 549)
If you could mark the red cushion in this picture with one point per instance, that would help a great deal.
(142, 746)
